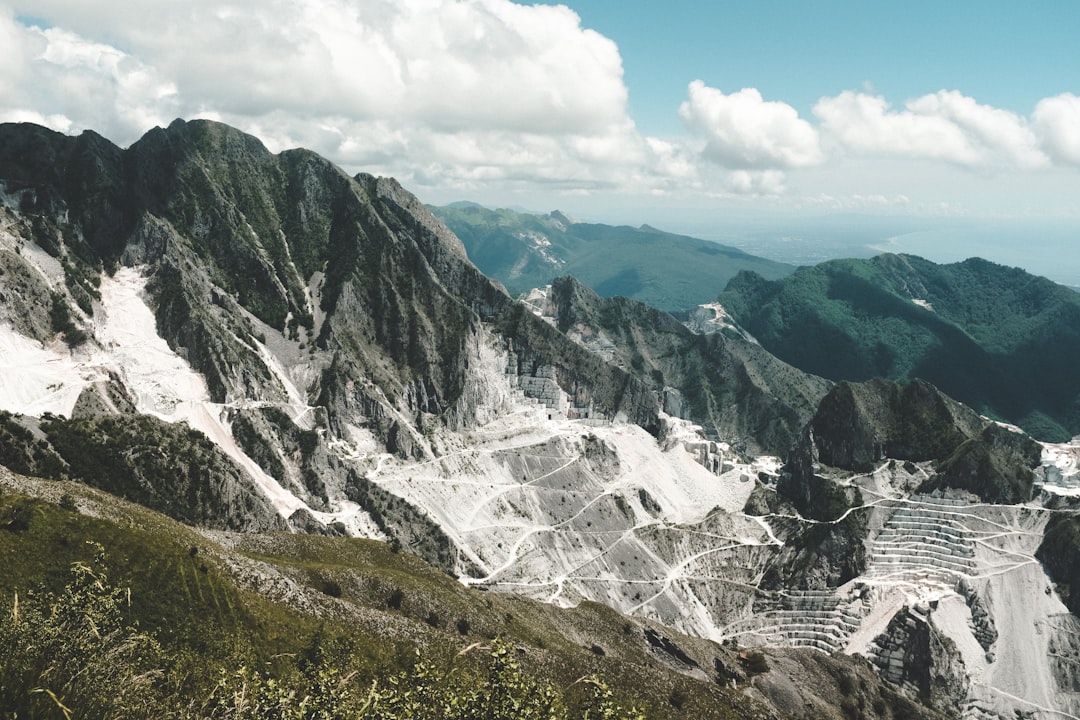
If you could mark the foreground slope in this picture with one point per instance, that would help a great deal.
(202, 606)
(995, 338)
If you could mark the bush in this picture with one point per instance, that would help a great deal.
(77, 653)
(60, 316)
(331, 588)
(395, 599)
(755, 663)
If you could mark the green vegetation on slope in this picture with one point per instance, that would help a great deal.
(667, 271)
(996, 338)
(168, 467)
(79, 653)
(141, 617)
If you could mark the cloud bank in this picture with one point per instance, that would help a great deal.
(442, 90)
(470, 95)
(944, 126)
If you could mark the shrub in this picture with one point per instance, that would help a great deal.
(77, 652)
(330, 587)
(395, 599)
(755, 663)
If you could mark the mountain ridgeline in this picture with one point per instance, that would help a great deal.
(671, 272)
(734, 388)
(373, 317)
(996, 338)
(239, 241)
(261, 346)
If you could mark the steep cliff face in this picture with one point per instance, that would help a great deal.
(322, 311)
(351, 273)
(859, 428)
(858, 425)
(730, 386)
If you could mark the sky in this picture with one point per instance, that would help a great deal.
(613, 111)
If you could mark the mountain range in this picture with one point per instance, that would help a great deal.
(996, 338)
(670, 272)
(307, 433)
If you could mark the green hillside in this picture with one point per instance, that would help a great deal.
(110, 610)
(667, 271)
(996, 338)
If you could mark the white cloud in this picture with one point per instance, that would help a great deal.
(452, 64)
(742, 131)
(474, 96)
(944, 126)
(61, 80)
(12, 54)
(1057, 122)
(452, 92)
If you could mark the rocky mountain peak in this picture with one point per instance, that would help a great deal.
(254, 341)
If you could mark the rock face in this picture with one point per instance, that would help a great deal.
(915, 526)
(857, 425)
(727, 384)
(913, 652)
(285, 283)
(259, 342)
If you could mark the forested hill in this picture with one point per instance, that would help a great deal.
(671, 272)
(997, 338)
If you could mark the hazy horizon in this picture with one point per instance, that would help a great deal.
(1042, 246)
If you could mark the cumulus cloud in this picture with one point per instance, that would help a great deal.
(465, 95)
(439, 91)
(1057, 122)
(68, 83)
(452, 64)
(12, 54)
(745, 132)
(945, 126)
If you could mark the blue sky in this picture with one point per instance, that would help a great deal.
(1003, 53)
(613, 111)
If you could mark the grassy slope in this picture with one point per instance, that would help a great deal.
(248, 598)
(220, 601)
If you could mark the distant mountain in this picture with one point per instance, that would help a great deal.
(996, 338)
(667, 271)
